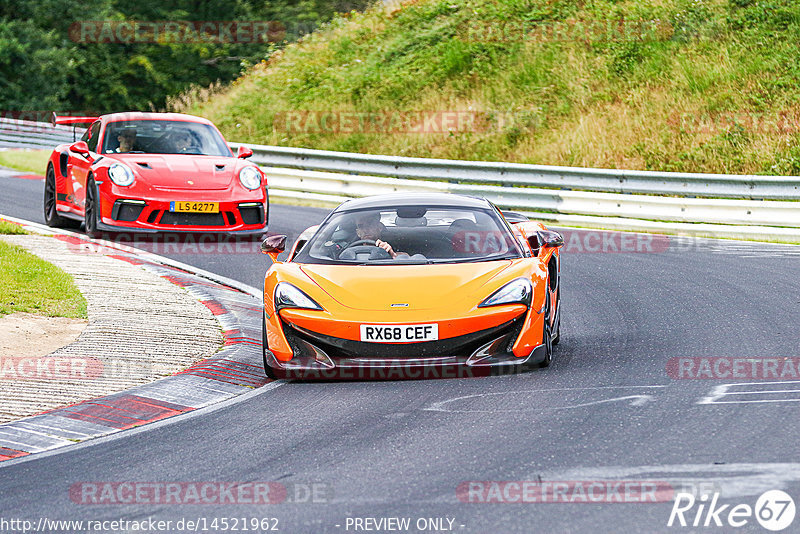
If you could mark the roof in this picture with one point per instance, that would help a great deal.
(414, 199)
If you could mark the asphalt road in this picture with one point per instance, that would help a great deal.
(607, 410)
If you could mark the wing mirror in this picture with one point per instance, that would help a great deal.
(545, 238)
(273, 245)
(80, 147)
(243, 152)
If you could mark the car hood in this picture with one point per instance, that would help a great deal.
(182, 172)
(414, 287)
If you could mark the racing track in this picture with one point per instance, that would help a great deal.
(605, 409)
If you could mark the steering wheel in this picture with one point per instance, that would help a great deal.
(363, 246)
(361, 242)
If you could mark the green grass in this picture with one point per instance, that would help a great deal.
(11, 228)
(32, 161)
(29, 284)
(633, 99)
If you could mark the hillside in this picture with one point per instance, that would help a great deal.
(675, 85)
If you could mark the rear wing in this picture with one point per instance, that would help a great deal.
(74, 121)
(55, 119)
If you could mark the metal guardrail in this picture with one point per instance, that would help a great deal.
(752, 187)
(16, 133)
(713, 205)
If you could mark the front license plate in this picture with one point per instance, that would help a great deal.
(194, 207)
(399, 333)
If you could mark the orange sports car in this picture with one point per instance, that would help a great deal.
(412, 286)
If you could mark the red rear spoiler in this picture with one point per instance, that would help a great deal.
(54, 119)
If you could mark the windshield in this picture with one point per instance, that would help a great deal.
(163, 137)
(410, 235)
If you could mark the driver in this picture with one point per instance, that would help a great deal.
(369, 226)
(126, 139)
(183, 141)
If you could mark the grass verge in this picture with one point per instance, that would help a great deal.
(32, 161)
(11, 228)
(30, 284)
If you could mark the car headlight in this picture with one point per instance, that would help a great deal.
(250, 177)
(121, 174)
(517, 291)
(288, 296)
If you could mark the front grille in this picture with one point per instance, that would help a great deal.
(192, 219)
(460, 346)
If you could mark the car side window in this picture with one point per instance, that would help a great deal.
(93, 133)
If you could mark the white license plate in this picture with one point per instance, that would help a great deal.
(399, 333)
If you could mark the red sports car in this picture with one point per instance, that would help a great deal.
(153, 172)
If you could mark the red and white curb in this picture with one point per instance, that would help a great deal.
(235, 370)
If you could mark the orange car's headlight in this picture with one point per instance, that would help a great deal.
(517, 291)
(289, 296)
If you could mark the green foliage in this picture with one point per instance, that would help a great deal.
(45, 64)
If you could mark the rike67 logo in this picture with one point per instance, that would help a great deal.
(774, 510)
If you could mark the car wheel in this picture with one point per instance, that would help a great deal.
(264, 347)
(51, 216)
(547, 336)
(90, 209)
(557, 336)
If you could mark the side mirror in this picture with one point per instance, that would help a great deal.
(545, 238)
(80, 147)
(244, 152)
(273, 245)
(551, 239)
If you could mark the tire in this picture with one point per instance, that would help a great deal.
(557, 336)
(547, 336)
(51, 216)
(268, 371)
(90, 209)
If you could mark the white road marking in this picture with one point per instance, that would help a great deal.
(731, 480)
(728, 390)
(638, 400)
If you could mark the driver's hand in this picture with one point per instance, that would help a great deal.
(386, 246)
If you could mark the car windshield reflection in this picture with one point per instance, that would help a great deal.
(410, 235)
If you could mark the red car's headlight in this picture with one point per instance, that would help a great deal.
(250, 177)
(121, 174)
